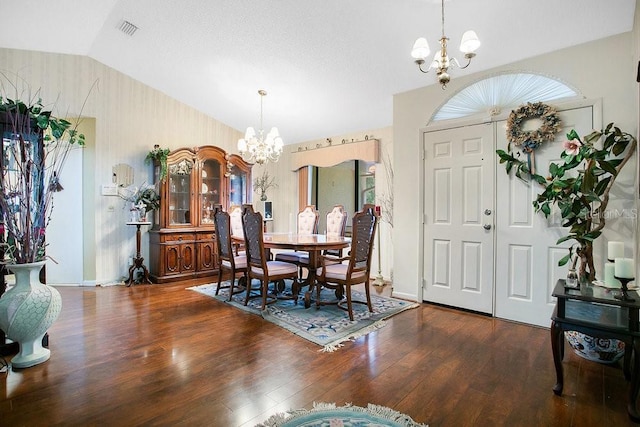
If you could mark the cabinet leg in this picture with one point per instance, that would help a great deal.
(557, 347)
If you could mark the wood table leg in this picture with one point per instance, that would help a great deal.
(633, 387)
(557, 344)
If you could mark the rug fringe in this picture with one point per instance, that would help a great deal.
(335, 345)
(376, 410)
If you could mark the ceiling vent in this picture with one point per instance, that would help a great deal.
(127, 27)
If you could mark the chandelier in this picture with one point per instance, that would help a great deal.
(441, 60)
(256, 148)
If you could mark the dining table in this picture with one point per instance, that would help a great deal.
(313, 244)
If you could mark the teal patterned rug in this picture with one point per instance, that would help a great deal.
(328, 326)
(328, 415)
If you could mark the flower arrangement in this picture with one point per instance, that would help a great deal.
(144, 198)
(579, 187)
(35, 145)
(263, 183)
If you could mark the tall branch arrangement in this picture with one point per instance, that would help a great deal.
(263, 183)
(386, 198)
(34, 153)
(582, 196)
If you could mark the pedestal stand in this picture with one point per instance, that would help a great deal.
(138, 261)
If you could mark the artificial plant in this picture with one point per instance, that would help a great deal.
(579, 186)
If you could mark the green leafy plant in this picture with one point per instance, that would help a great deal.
(160, 155)
(145, 197)
(579, 186)
(35, 150)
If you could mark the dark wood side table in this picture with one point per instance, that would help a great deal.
(594, 311)
(138, 261)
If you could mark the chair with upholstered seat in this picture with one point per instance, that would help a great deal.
(307, 224)
(228, 260)
(334, 274)
(336, 226)
(259, 267)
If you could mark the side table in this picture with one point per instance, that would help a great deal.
(138, 261)
(594, 311)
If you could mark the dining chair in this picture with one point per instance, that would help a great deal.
(336, 226)
(307, 224)
(228, 260)
(259, 265)
(342, 276)
(235, 213)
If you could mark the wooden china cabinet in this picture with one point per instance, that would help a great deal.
(182, 240)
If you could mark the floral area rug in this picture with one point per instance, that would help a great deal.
(328, 415)
(328, 326)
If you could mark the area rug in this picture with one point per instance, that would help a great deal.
(328, 326)
(328, 415)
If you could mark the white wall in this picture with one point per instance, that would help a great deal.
(603, 69)
(130, 118)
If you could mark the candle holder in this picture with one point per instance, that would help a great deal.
(624, 296)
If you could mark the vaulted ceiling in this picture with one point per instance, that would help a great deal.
(329, 66)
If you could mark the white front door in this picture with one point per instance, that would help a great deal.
(526, 251)
(459, 167)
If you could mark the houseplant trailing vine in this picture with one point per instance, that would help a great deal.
(160, 155)
(579, 187)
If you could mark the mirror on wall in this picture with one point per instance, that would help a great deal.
(350, 183)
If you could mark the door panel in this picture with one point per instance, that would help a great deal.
(526, 251)
(459, 199)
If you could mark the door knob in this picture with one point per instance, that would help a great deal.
(487, 226)
(487, 211)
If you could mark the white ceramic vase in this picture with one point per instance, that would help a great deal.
(27, 311)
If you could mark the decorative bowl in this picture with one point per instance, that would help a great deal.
(603, 350)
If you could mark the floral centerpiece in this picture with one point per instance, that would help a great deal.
(579, 187)
(141, 200)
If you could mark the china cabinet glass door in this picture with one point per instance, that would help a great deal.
(180, 193)
(237, 186)
(209, 191)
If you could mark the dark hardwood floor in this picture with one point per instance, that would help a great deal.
(163, 355)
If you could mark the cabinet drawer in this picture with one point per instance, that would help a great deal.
(177, 237)
(206, 236)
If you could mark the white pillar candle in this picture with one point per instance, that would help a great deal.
(615, 250)
(625, 268)
(609, 280)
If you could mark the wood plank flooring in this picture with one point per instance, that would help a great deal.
(163, 355)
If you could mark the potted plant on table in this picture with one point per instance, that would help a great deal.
(141, 200)
(35, 147)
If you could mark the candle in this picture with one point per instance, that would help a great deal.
(624, 268)
(615, 250)
(609, 280)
